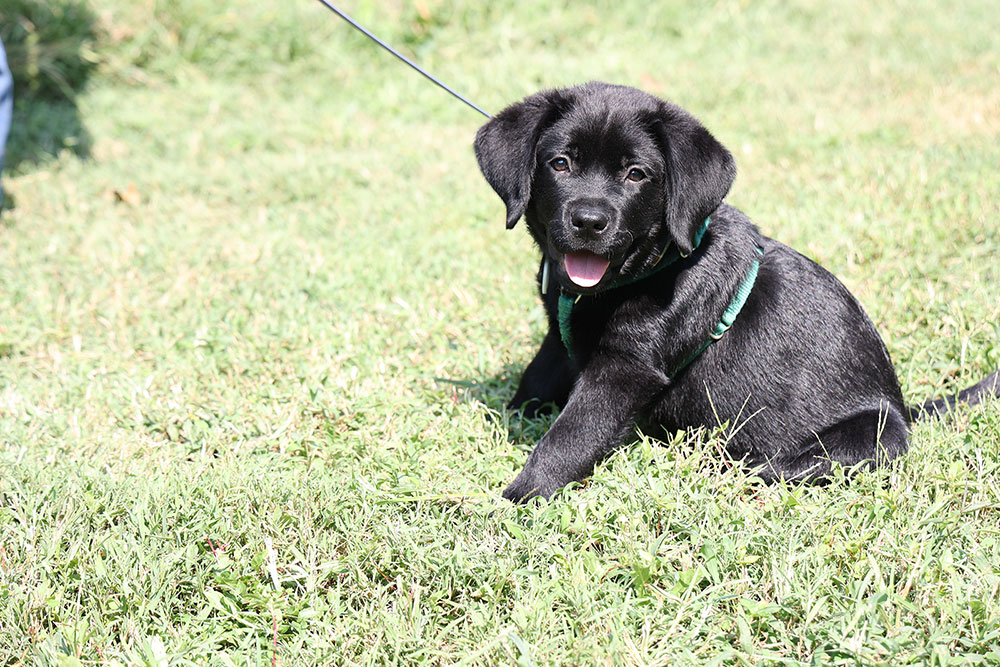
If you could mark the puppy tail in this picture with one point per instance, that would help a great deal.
(936, 407)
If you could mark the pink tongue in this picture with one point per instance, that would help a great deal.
(585, 268)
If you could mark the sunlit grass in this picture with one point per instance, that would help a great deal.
(257, 332)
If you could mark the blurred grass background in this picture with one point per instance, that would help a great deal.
(259, 317)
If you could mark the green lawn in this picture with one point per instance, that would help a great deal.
(259, 317)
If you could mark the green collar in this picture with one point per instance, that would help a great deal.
(670, 255)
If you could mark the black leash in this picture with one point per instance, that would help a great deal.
(396, 53)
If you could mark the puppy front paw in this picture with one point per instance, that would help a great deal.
(531, 484)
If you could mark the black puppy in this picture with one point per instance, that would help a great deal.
(644, 271)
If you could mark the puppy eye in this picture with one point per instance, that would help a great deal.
(560, 164)
(636, 175)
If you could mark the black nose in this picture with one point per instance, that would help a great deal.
(589, 219)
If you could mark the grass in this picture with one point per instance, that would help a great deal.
(49, 46)
(256, 339)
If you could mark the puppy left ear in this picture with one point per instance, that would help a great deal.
(505, 148)
(700, 172)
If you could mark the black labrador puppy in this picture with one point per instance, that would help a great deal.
(667, 305)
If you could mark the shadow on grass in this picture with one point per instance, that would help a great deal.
(49, 45)
(42, 129)
(492, 392)
(495, 393)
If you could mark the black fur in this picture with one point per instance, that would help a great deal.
(802, 377)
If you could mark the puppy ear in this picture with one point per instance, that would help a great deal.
(700, 172)
(505, 148)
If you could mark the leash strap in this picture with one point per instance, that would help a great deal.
(729, 314)
(565, 329)
(360, 28)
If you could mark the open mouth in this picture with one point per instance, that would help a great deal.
(585, 268)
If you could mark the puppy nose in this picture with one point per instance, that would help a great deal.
(589, 220)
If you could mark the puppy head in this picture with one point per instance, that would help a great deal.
(606, 177)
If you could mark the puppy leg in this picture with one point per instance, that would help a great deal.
(872, 437)
(547, 379)
(596, 419)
